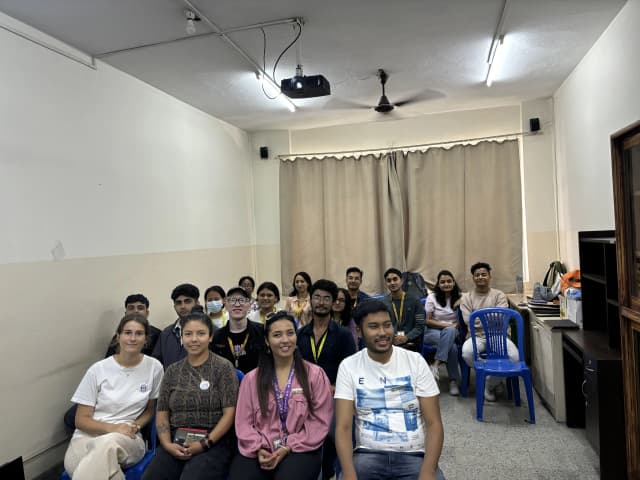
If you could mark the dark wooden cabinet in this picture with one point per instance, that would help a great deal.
(593, 389)
(625, 167)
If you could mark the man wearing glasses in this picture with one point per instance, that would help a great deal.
(326, 344)
(240, 340)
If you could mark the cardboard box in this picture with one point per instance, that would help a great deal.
(571, 308)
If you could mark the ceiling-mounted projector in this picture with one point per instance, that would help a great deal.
(302, 86)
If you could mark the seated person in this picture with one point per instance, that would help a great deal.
(214, 306)
(298, 303)
(169, 348)
(268, 297)
(115, 398)
(284, 411)
(407, 312)
(394, 398)
(354, 280)
(483, 296)
(249, 285)
(442, 326)
(240, 340)
(341, 311)
(198, 392)
(136, 303)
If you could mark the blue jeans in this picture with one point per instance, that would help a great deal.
(445, 340)
(389, 465)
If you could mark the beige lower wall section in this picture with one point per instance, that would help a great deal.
(58, 317)
(268, 268)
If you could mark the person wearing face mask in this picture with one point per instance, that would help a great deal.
(268, 297)
(214, 297)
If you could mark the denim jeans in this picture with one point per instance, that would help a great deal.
(447, 351)
(389, 465)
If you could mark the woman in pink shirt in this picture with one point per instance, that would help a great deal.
(283, 412)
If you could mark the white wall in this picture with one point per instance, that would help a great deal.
(143, 191)
(600, 97)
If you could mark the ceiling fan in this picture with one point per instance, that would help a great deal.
(384, 105)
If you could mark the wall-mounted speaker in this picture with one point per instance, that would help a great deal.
(264, 152)
(534, 124)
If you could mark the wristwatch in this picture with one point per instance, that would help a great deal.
(204, 443)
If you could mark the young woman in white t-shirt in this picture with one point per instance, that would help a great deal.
(442, 326)
(116, 398)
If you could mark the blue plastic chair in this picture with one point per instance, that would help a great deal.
(135, 472)
(240, 375)
(495, 361)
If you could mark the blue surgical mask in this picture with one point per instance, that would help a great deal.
(214, 306)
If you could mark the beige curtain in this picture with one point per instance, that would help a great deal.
(421, 211)
(463, 205)
(339, 212)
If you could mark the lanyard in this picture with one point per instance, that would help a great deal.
(237, 350)
(399, 318)
(282, 399)
(298, 309)
(263, 316)
(313, 345)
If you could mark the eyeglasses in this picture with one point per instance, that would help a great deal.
(237, 300)
(319, 299)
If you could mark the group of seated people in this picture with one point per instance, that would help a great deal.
(280, 421)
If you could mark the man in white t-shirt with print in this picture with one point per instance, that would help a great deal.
(394, 398)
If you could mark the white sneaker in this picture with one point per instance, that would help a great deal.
(436, 373)
(489, 395)
(453, 388)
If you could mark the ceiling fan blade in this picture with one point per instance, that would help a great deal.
(422, 96)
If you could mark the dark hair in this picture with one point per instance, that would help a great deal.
(269, 286)
(327, 286)
(186, 289)
(135, 317)
(198, 315)
(239, 290)
(367, 307)
(307, 278)
(441, 297)
(392, 270)
(247, 277)
(214, 288)
(478, 265)
(136, 297)
(354, 270)
(345, 315)
(267, 370)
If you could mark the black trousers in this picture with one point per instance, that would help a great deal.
(298, 466)
(210, 465)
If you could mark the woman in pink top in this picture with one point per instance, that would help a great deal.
(283, 412)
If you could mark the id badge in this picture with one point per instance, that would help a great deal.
(400, 333)
(277, 443)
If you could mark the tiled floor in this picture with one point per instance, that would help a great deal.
(505, 446)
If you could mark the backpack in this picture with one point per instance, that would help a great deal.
(414, 284)
(552, 279)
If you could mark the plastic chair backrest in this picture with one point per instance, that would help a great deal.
(240, 375)
(462, 327)
(495, 323)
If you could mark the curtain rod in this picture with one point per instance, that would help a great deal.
(406, 147)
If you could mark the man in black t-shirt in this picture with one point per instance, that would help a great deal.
(240, 341)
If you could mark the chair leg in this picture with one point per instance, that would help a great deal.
(465, 372)
(515, 386)
(480, 381)
(526, 376)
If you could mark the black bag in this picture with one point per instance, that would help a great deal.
(414, 284)
(556, 269)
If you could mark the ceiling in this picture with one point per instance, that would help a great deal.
(434, 49)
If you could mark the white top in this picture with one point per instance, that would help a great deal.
(118, 394)
(256, 317)
(440, 313)
(385, 396)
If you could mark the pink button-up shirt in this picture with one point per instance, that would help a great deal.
(307, 430)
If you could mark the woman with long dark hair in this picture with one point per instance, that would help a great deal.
(284, 410)
(341, 310)
(442, 326)
(196, 409)
(298, 304)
